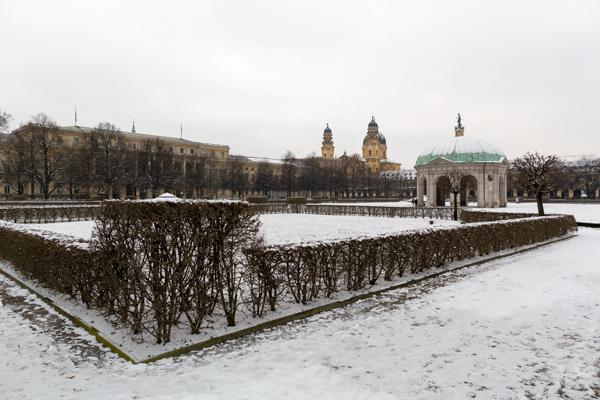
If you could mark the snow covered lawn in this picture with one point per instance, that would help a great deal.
(293, 228)
(582, 212)
(523, 327)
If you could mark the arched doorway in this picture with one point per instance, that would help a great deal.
(468, 194)
(442, 191)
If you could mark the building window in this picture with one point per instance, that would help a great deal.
(76, 141)
(182, 150)
(134, 146)
(171, 149)
(212, 154)
(191, 151)
(369, 152)
(6, 189)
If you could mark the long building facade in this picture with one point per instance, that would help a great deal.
(106, 163)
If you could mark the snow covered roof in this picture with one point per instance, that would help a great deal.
(462, 149)
(88, 130)
(167, 197)
(581, 160)
(404, 174)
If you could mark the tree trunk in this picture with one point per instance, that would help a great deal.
(455, 207)
(540, 204)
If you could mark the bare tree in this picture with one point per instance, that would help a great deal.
(587, 175)
(235, 179)
(263, 182)
(46, 157)
(4, 121)
(457, 181)
(160, 171)
(288, 173)
(540, 174)
(109, 157)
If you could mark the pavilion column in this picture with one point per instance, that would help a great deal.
(420, 190)
(496, 189)
(481, 190)
(431, 190)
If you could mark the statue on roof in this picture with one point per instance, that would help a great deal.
(459, 121)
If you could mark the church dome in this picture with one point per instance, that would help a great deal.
(373, 133)
(462, 149)
(380, 138)
(327, 129)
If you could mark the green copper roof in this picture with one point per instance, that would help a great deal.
(462, 149)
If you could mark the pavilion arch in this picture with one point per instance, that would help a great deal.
(469, 193)
(442, 187)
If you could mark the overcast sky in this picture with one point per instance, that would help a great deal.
(265, 76)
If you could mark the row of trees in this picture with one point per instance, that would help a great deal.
(315, 177)
(37, 162)
(582, 175)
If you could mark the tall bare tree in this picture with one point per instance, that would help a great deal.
(109, 157)
(46, 157)
(457, 181)
(160, 166)
(4, 121)
(263, 182)
(539, 174)
(587, 175)
(288, 173)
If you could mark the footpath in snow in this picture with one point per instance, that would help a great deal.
(527, 326)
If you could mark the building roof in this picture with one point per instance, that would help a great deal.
(141, 136)
(462, 149)
(580, 160)
(404, 174)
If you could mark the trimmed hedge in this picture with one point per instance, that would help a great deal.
(151, 266)
(45, 203)
(378, 211)
(309, 272)
(49, 214)
(158, 263)
(60, 265)
(469, 216)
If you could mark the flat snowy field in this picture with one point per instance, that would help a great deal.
(293, 228)
(582, 212)
(527, 326)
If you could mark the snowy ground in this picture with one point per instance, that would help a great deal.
(527, 326)
(582, 212)
(293, 228)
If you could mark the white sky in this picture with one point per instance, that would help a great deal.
(265, 76)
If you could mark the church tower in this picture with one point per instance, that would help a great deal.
(327, 144)
(374, 146)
